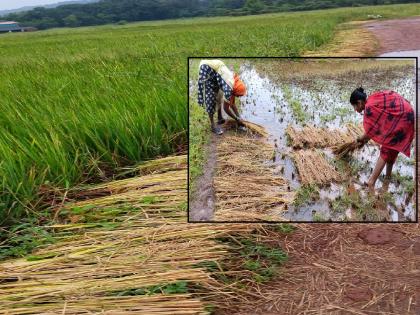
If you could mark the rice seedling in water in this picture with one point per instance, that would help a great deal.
(305, 194)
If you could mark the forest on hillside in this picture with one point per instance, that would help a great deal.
(123, 11)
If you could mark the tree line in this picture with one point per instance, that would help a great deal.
(123, 11)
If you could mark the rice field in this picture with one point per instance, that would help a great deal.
(308, 118)
(77, 104)
(78, 107)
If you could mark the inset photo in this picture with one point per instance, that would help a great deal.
(302, 139)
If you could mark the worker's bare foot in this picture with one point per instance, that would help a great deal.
(371, 187)
(385, 184)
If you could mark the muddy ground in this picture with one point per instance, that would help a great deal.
(201, 206)
(282, 95)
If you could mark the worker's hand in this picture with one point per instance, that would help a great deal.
(361, 141)
(240, 123)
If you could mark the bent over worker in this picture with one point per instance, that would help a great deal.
(217, 87)
(388, 119)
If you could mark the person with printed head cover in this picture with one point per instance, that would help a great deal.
(217, 87)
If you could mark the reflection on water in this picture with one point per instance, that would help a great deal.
(406, 53)
(268, 104)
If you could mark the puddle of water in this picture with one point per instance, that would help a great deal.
(402, 54)
(405, 53)
(325, 105)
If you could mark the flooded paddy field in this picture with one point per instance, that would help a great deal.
(285, 94)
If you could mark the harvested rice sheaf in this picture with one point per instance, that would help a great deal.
(346, 148)
(245, 186)
(314, 168)
(251, 128)
(315, 137)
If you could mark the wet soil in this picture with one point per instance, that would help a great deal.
(325, 104)
(202, 201)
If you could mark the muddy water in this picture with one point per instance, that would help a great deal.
(325, 104)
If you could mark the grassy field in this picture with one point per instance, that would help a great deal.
(77, 104)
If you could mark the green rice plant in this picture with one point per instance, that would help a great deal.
(165, 288)
(318, 217)
(306, 194)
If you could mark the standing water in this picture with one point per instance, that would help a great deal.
(269, 105)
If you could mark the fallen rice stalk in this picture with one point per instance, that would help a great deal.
(158, 304)
(252, 128)
(315, 137)
(314, 168)
(245, 186)
(151, 244)
(255, 128)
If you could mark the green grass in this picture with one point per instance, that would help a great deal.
(177, 287)
(300, 115)
(78, 103)
(198, 138)
(22, 238)
(260, 259)
(306, 194)
(365, 208)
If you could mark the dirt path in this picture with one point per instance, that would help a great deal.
(336, 269)
(202, 203)
(396, 35)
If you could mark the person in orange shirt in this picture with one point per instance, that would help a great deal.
(217, 87)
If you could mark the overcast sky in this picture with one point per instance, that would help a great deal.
(15, 4)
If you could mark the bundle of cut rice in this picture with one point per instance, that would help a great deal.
(255, 128)
(346, 148)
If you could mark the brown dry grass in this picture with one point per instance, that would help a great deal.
(314, 168)
(246, 188)
(180, 304)
(334, 271)
(251, 128)
(350, 40)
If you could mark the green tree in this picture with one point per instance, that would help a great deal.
(71, 21)
(254, 6)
